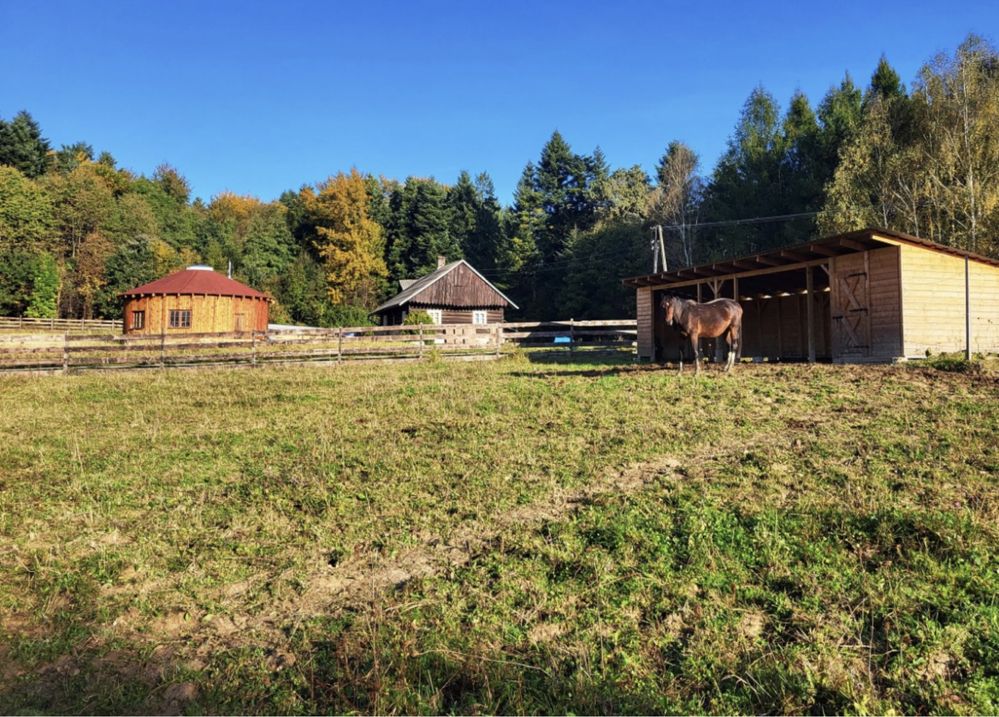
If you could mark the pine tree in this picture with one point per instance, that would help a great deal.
(802, 176)
(419, 229)
(463, 205)
(885, 83)
(839, 116)
(487, 246)
(23, 147)
(746, 181)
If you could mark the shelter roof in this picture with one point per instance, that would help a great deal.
(817, 250)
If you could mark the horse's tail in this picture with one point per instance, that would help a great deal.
(737, 330)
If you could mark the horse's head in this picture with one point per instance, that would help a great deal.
(668, 304)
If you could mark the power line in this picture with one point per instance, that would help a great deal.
(749, 220)
(624, 251)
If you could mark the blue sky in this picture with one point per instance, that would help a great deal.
(256, 98)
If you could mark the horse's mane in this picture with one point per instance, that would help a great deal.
(682, 305)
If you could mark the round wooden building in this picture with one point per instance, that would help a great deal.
(196, 300)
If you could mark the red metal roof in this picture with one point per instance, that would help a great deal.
(195, 281)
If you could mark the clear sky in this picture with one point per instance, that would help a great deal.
(256, 98)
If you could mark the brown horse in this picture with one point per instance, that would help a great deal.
(709, 320)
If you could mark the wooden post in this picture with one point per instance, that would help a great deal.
(810, 313)
(572, 335)
(65, 353)
(499, 338)
(253, 347)
(162, 349)
(339, 344)
(967, 310)
(780, 328)
(662, 246)
(759, 327)
(421, 340)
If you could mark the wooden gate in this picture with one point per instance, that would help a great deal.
(851, 306)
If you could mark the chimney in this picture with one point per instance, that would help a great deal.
(441, 261)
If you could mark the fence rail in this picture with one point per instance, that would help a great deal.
(24, 323)
(48, 351)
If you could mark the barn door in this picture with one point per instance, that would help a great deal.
(851, 307)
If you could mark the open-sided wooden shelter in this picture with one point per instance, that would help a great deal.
(454, 293)
(196, 300)
(869, 295)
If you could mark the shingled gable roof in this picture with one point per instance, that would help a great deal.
(195, 281)
(419, 285)
(816, 250)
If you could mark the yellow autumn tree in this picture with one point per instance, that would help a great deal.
(349, 242)
(234, 213)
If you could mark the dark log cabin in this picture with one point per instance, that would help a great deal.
(454, 293)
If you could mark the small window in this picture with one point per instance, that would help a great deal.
(480, 317)
(138, 319)
(180, 318)
(436, 315)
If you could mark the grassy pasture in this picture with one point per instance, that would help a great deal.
(507, 536)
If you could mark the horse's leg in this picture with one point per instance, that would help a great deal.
(695, 345)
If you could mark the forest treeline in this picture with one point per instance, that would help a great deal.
(76, 229)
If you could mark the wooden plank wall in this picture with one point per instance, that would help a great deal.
(886, 303)
(209, 314)
(460, 287)
(644, 314)
(933, 305)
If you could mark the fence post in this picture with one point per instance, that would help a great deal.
(162, 349)
(339, 344)
(65, 353)
(421, 340)
(51, 322)
(253, 348)
(499, 338)
(572, 335)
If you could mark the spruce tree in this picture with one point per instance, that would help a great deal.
(463, 204)
(22, 145)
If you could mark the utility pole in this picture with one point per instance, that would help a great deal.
(658, 249)
(662, 246)
(655, 251)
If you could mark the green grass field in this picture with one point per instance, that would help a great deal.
(507, 536)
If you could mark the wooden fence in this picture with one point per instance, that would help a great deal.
(25, 324)
(76, 352)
